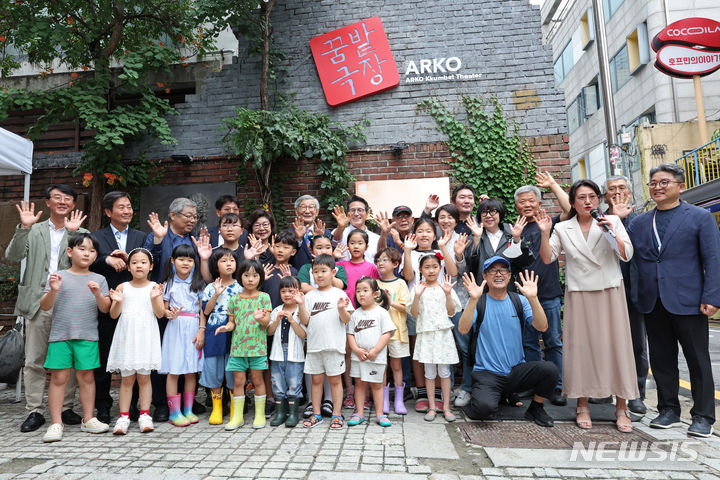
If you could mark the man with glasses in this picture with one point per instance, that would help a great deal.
(677, 252)
(496, 321)
(42, 245)
(357, 214)
(306, 225)
(618, 196)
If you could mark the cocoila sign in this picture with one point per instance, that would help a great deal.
(688, 47)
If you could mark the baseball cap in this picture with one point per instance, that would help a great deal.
(497, 258)
(401, 209)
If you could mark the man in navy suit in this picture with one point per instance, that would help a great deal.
(115, 241)
(677, 251)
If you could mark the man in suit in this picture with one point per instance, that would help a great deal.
(617, 195)
(677, 252)
(43, 245)
(115, 240)
(307, 209)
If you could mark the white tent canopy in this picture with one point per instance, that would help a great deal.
(15, 154)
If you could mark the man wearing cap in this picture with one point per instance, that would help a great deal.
(393, 234)
(499, 365)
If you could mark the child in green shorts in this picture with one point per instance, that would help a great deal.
(75, 295)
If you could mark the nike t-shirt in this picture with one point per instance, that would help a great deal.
(368, 326)
(325, 330)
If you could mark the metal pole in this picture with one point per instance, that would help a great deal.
(606, 85)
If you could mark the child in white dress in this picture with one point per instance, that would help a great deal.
(135, 348)
(433, 303)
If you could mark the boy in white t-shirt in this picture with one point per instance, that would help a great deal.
(327, 311)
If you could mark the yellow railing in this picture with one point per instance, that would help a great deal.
(702, 164)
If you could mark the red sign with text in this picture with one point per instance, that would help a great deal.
(688, 48)
(354, 62)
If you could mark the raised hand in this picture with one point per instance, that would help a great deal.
(544, 180)
(76, 219)
(116, 295)
(383, 220)
(253, 247)
(448, 285)
(621, 205)
(319, 226)
(343, 303)
(172, 312)
(224, 328)
(340, 251)
(460, 243)
(410, 242)
(28, 217)
(298, 297)
(529, 284)
(259, 313)
(268, 268)
(219, 287)
(55, 282)
(445, 239)
(473, 289)
(204, 248)
(517, 229)
(156, 291)
(299, 227)
(284, 270)
(159, 230)
(543, 220)
(94, 287)
(432, 202)
(340, 216)
(420, 288)
(482, 197)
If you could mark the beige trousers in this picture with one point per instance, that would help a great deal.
(37, 333)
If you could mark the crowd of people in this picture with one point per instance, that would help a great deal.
(357, 317)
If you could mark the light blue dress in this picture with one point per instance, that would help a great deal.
(179, 355)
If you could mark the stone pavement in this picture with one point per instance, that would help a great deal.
(411, 449)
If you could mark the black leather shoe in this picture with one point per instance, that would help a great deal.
(71, 418)
(637, 406)
(103, 414)
(600, 401)
(134, 413)
(161, 414)
(538, 415)
(666, 419)
(34, 421)
(558, 399)
(700, 427)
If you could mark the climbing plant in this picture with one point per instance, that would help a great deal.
(486, 148)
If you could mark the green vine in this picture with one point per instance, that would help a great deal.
(486, 148)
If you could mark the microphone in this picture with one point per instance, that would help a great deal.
(594, 213)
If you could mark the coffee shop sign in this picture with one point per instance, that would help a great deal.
(436, 70)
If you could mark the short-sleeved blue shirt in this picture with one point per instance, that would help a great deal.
(500, 342)
(218, 344)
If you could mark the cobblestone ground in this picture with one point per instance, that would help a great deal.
(410, 449)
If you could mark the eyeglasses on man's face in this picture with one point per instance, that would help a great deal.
(664, 183)
(498, 271)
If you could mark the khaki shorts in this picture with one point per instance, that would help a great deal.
(367, 371)
(397, 349)
(329, 362)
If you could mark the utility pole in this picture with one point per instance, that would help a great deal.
(606, 89)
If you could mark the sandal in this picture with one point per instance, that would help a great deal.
(382, 421)
(326, 408)
(349, 401)
(430, 415)
(582, 423)
(313, 421)
(449, 416)
(623, 427)
(356, 419)
(336, 423)
(308, 412)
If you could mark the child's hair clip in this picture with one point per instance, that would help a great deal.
(439, 255)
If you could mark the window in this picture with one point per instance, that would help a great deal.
(591, 98)
(564, 63)
(587, 28)
(575, 116)
(620, 69)
(610, 7)
(638, 48)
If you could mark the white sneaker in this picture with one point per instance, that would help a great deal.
(145, 423)
(94, 426)
(121, 426)
(54, 433)
(462, 399)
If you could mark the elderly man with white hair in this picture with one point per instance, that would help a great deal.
(306, 225)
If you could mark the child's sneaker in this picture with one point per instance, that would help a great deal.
(94, 426)
(367, 403)
(145, 423)
(349, 401)
(121, 426)
(54, 433)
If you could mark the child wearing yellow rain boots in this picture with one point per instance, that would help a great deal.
(215, 299)
(248, 315)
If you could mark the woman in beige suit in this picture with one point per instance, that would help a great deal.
(598, 357)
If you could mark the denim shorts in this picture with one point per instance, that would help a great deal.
(214, 371)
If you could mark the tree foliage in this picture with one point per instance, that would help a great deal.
(486, 148)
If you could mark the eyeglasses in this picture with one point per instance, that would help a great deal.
(262, 225)
(584, 198)
(307, 207)
(664, 183)
(64, 198)
(357, 210)
(188, 216)
(489, 213)
(498, 271)
(228, 226)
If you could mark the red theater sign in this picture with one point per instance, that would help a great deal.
(688, 47)
(354, 62)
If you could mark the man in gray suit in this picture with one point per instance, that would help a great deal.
(43, 245)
